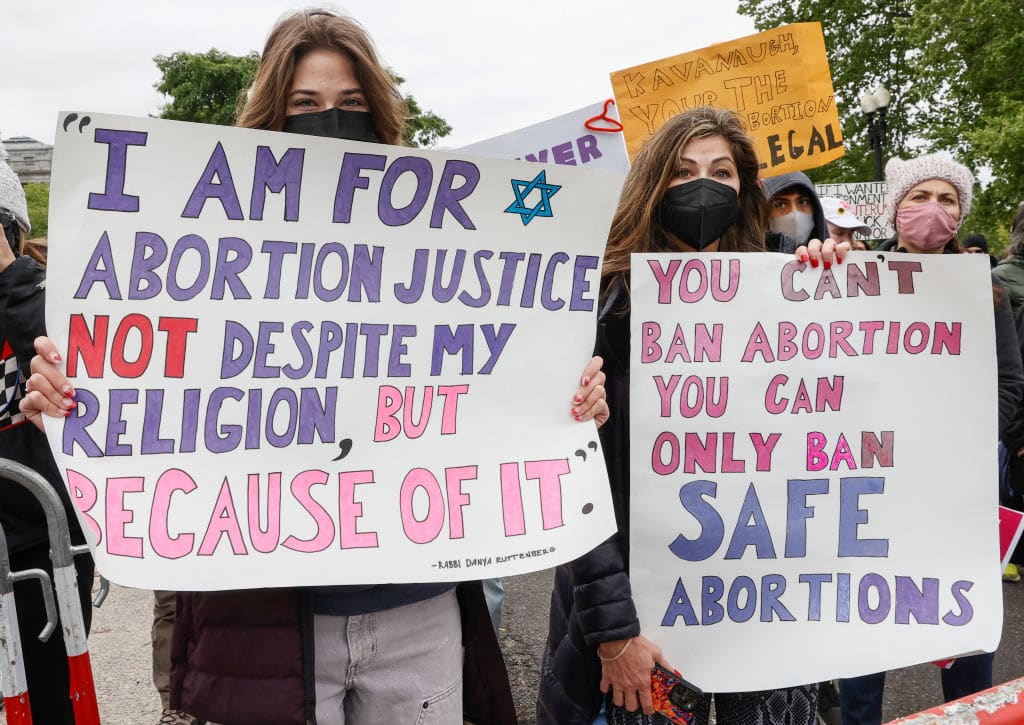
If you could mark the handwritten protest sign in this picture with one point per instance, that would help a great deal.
(310, 361)
(796, 512)
(1011, 525)
(562, 140)
(868, 201)
(778, 81)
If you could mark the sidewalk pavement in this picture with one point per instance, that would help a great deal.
(119, 647)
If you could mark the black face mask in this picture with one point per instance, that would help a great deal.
(334, 123)
(698, 212)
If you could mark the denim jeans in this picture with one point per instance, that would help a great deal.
(861, 697)
(402, 665)
(494, 595)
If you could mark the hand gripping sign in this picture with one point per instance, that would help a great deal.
(310, 361)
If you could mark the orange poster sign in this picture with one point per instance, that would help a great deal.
(778, 81)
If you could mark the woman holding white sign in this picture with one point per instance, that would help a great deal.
(928, 198)
(692, 188)
(384, 653)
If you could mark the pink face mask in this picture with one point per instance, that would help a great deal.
(927, 226)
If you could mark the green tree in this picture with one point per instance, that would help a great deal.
(952, 68)
(422, 128)
(207, 88)
(968, 87)
(204, 87)
(38, 198)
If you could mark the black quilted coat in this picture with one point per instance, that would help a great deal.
(592, 601)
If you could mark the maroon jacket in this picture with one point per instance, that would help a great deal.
(245, 657)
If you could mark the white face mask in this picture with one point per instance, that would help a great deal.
(797, 225)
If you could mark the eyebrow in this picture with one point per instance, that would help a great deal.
(310, 92)
(713, 161)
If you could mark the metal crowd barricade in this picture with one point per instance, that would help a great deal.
(62, 553)
(1000, 705)
(12, 668)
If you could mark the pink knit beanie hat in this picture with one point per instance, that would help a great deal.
(902, 176)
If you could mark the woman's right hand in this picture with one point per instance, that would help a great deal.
(47, 390)
(629, 676)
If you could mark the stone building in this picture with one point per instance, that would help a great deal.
(30, 159)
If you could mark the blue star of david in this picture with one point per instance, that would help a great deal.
(522, 190)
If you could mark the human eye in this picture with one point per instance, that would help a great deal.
(722, 173)
(683, 173)
(353, 102)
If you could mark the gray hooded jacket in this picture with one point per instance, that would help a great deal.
(775, 184)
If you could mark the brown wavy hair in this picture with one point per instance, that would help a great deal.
(319, 29)
(636, 226)
(1017, 234)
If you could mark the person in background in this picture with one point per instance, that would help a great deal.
(978, 244)
(843, 223)
(1010, 270)
(795, 212)
(163, 627)
(928, 198)
(22, 298)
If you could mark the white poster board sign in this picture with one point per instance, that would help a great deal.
(563, 140)
(868, 201)
(309, 361)
(799, 510)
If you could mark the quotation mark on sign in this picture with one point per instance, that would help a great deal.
(72, 117)
(583, 454)
(587, 507)
(344, 446)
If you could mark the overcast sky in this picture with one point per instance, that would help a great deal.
(486, 67)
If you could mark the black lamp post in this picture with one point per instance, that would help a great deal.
(874, 106)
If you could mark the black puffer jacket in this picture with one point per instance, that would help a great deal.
(22, 319)
(592, 600)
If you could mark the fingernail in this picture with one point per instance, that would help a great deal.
(586, 381)
(577, 418)
(577, 399)
(828, 265)
(803, 257)
(839, 260)
(68, 391)
(55, 357)
(575, 411)
(69, 403)
(814, 263)
(67, 413)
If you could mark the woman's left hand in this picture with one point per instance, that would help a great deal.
(589, 400)
(827, 252)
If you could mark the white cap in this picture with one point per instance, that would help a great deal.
(840, 212)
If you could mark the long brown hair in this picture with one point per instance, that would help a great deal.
(1017, 234)
(316, 29)
(637, 227)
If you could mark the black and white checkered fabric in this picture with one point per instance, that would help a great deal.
(12, 390)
